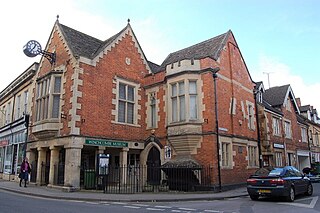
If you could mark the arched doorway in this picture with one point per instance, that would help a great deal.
(153, 167)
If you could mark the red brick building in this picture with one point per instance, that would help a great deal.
(106, 97)
(283, 131)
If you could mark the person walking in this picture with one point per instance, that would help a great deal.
(25, 169)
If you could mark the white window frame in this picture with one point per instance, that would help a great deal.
(278, 156)
(276, 126)
(288, 104)
(304, 138)
(287, 129)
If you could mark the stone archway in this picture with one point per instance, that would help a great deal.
(153, 167)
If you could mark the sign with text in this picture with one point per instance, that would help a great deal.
(106, 143)
(4, 143)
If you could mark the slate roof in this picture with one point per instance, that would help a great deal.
(81, 44)
(154, 67)
(276, 95)
(87, 46)
(302, 119)
(209, 48)
(304, 108)
(270, 108)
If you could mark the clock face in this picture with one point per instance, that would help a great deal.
(32, 48)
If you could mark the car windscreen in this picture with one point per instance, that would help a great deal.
(269, 172)
(275, 172)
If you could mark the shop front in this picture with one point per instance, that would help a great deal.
(12, 140)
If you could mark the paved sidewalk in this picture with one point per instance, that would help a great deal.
(46, 192)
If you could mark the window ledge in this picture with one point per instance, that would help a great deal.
(126, 124)
(196, 122)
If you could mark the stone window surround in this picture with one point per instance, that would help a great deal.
(149, 92)
(200, 107)
(287, 122)
(229, 155)
(253, 148)
(274, 132)
(137, 107)
(51, 76)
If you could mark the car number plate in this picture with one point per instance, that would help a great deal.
(264, 191)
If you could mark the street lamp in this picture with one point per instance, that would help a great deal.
(215, 76)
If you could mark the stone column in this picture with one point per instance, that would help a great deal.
(54, 161)
(41, 159)
(123, 164)
(72, 167)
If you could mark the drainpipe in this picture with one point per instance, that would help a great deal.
(214, 75)
(258, 128)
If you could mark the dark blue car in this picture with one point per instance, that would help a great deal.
(278, 182)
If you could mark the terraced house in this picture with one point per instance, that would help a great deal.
(14, 106)
(284, 131)
(194, 113)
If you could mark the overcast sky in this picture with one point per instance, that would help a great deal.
(276, 38)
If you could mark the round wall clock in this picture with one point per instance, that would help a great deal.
(32, 48)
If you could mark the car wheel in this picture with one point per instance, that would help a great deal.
(254, 197)
(291, 195)
(309, 191)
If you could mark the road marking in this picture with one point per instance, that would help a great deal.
(154, 209)
(142, 205)
(211, 211)
(94, 203)
(165, 207)
(310, 205)
(187, 209)
(119, 203)
(132, 207)
(176, 211)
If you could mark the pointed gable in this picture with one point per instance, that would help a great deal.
(209, 48)
(80, 44)
(277, 96)
(91, 49)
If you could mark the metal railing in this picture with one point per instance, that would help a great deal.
(137, 179)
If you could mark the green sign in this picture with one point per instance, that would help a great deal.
(106, 143)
